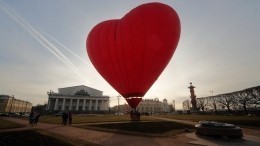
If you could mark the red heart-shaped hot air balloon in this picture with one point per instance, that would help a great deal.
(130, 53)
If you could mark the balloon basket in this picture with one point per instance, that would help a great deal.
(135, 117)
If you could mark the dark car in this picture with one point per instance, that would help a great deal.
(14, 114)
(58, 114)
(4, 115)
(24, 115)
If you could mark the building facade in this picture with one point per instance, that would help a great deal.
(78, 98)
(146, 106)
(153, 106)
(13, 105)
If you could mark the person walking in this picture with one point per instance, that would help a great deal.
(37, 116)
(70, 118)
(64, 118)
(31, 118)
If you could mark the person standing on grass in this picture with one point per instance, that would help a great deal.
(31, 118)
(64, 118)
(37, 116)
(70, 118)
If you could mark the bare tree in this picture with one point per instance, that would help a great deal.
(245, 98)
(201, 104)
(186, 105)
(171, 108)
(226, 100)
(212, 102)
(256, 94)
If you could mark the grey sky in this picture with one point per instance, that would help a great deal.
(218, 49)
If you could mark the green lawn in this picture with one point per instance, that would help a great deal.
(8, 125)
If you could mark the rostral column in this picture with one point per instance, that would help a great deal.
(193, 97)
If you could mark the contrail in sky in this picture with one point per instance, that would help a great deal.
(40, 38)
(69, 50)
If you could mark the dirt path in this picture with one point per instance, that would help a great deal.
(106, 138)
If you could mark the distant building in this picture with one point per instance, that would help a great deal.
(11, 104)
(153, 106)
(78, 98)
(146, 106)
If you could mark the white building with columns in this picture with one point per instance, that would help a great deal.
(78, 98)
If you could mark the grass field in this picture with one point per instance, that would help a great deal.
(122, 124)
(79, 119)
(243, 121)
(148, 124)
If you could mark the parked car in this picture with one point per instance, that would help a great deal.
(24, 115)
(120, 114)
(14, 114)
(58, 114)
(4, 115)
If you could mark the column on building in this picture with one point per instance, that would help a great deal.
(90, 105)
(48, 106)
(70, 106)
(63, 104)
(84, 105)
(102, 105)
(56, 104)
(77, 106)
(96, 104)
(106, 104)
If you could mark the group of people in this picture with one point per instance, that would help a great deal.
(34, 118)
(66, 117)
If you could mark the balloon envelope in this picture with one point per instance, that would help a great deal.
(130, 53)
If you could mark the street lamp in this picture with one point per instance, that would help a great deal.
(118, 103)
(211, 93)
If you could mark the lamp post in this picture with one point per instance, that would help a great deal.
(118, 103)
(214, 102)
(211, 93)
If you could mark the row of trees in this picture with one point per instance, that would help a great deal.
(235, 101)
